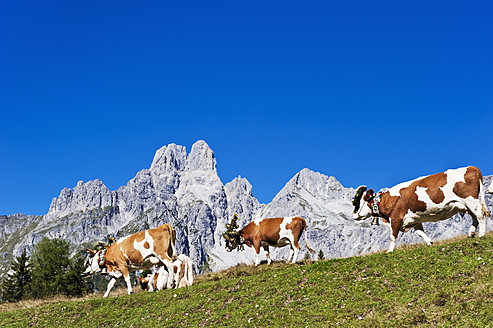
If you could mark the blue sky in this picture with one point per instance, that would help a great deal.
(372, 93)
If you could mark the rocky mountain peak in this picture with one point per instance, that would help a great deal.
(201, 158)
(239, 185)
(186, 191)
(317, 184)
(84, 196)
(169, 159)
(241, 200)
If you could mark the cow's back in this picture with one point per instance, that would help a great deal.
(439, 195)
(138, 247)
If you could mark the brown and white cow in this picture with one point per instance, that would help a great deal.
(139, 251)
(182, 276)
(276, 232)
(427, 199)
(156, 281)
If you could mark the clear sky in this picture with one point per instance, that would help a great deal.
(371, 92)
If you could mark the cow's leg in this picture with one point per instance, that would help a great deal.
(296, 249)
(393, 236)
(266, 249)
(110, 285)
(474, 226)
(129, 284)
(126, 276)
(291, 254)
(421, 232)
(256, 247)
(475, 209)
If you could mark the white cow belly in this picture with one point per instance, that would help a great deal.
(434, 214)
(280, 243)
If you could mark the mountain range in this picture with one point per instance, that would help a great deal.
(184, 189)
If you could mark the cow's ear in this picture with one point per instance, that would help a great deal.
(90, 251)
(368, 196)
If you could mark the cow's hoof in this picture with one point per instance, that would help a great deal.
(471, 235)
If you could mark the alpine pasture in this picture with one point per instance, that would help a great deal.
(447, 285)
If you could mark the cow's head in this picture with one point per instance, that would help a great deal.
(232, 235)
(233, 242)
(362, 209)
(91, 263)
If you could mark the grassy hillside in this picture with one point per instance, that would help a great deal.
(447, 285)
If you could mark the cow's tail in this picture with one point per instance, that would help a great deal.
(173, 243)
(171, 248)
(306, 237)
(484, 209)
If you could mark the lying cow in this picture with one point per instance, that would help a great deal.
(276, 232)
(139, 251)
(427, 199)
(182, 276)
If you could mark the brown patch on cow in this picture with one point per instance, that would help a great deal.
(268, 230)
(433, 187)
(175, 269)
(470, 187)
(409, 194)
(146, 245)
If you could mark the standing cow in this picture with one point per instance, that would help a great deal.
(427, 199)
(182, 272)
(139, 251)
(276, 232)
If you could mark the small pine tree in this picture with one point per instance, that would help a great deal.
(321, 256)
(54, 272)
(307, 256)
(15, 285)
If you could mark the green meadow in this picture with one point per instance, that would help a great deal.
(446, 285)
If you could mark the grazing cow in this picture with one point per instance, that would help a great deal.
(427, 199)
(182, 276)
(139, 251)
(276, 232)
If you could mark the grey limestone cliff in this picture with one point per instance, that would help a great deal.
(185, 190)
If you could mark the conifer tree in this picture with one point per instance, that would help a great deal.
(54, 272)
(15, 285)
(321, 256)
